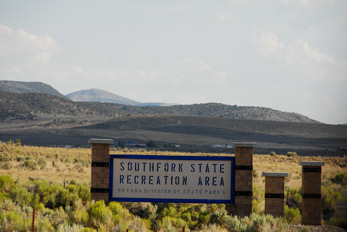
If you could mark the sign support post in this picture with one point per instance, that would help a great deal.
(243, 178)
(100, 169)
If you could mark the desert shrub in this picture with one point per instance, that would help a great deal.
(41, 162)
(6, 165)
(99, 215)
(21, 196)
(6, 183)
(43, 225)
(19, 158)
(255, 222)
(340, 221)
(218, 217)
(12, 221)
(212, 228)
(172, 224)
(329, 198)
(82, 162)
(150, 212)
(30, 164)
(151, 144)
(66, 227)
(273, 153)
(294, 198)
(5, 157)
(340, 178)
(292, 215)
(258, 200)
(80, 217)
(82, 191)
(291, 154)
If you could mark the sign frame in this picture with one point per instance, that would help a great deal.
(175, 200)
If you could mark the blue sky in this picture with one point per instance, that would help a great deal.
(289, 55)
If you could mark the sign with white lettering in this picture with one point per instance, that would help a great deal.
(184, 179)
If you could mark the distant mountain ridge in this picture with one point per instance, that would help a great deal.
(99, 95)
(28, 87)
(29, 105)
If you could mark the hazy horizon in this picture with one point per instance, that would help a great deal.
(289, 55)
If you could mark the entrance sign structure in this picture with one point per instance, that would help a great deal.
(239, 203)
(180, 179)
(198, 179)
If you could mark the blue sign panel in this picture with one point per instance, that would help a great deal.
(180, 179)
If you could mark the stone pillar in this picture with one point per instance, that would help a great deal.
(243, 178)
(311, 192)
(100, 169)
(274, 193)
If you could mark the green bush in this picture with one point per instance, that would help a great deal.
(295, 197)
(30, 164)
(291, 154)
(21, 196)
(99, 215)
(292, 215)
(5, 157)
(172, 224)
(340, 178)
(6, 165)
(340, 221)
(329, 199)
(6, 183)
(256, 222)
(12, 221)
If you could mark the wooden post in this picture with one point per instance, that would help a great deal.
(274, 193)
(100, 169)
(243, 178)
(311, 192)
(33, 222)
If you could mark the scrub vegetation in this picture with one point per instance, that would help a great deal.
(56, 182)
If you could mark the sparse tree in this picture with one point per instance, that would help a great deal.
(151, 144)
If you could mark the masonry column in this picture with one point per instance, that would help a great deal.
(274, 193)
(311, 192)
(243, 178)
(100, 169)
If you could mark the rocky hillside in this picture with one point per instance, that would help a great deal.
(221, 110)
(27, 106)
(28, 87)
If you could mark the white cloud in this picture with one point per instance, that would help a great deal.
(20, 47)
(298, 52)
(239, 2)
(196, 63)
(300, 59)
(300, 3)
(224, 17)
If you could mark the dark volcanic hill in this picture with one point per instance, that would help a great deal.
(13, 104)
(29, 105)
(28, 87)
(99, 95)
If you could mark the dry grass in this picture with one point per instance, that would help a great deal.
(74, 163)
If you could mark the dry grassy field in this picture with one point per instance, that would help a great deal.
(56, 164)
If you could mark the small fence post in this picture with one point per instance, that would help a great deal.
(33, 223)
